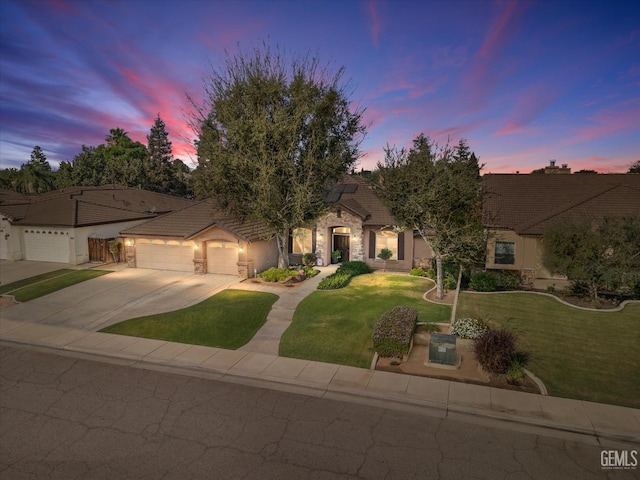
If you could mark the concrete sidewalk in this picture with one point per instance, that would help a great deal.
(440, 398)
(267, 339)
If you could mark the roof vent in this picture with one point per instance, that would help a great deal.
(552, 163)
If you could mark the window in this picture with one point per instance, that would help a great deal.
(505, 253)
(301, 240)
(387, 239)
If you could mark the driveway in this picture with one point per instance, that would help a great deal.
(117, 296)
(13, 271)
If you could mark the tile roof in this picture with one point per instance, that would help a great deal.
(528, 203)
(190, 221)
(84, 206)
(357, 195)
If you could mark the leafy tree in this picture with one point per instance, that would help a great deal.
(437, 192)
(180, 179)
(635, 168)
(36, 176)
(272, 134)
(87, 168)
(124, 160)
(596, 256)
(159, 170)
(9, 178)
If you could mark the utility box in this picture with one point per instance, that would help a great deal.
(442, 349)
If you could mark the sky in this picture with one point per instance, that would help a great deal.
(524, 82)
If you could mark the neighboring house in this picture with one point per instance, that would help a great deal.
(359, 225)
(201, 238)
(518, 208)
(57, 226)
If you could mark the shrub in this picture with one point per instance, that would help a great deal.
(310, 271)
(385, 254)
(418, 272)
(392, 334)
(508, 280)
(431, 273)
(334, 281)
(469, 328)
(309, 259)
(483, 282)
(354, 268)
(449, 282)
(515, 372)
(277, 274)
(343, 275)
(495, 350)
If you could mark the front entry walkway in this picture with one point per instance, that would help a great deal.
(267, 339)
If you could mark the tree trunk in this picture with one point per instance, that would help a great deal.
(282, 239)
(439, 279)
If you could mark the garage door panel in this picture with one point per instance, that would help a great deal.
(222, 258)
(46, 246)
(158, 256)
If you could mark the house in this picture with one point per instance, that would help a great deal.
(359, 225)
(57, 226)
(518, 208)
(201, 238)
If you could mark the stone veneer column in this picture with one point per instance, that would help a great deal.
(324, 240)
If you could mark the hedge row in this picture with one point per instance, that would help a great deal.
(343, 275)
(392, 334)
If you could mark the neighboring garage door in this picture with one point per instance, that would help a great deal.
(164, 255)
(222, 257)
(46, 245)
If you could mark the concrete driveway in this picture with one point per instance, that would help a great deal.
(117, 296)
(13, 271)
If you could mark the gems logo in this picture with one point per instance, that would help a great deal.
(619, 459)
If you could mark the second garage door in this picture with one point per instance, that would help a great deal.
(222, 257)
(164, 255)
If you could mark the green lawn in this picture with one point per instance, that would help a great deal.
(40, 285)
(228, 320)
(335, 326)
(578, 354)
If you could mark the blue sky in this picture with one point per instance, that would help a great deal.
(523, 81)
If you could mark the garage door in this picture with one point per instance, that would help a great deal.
(46, 245)
(164, 255)
(222, 257)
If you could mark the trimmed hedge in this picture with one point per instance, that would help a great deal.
(342, 276)
(277, 274)
(392, 334)
(484, 282)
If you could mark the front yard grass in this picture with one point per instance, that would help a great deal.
(40, 285)
(578, 354)
(335, 326)
(228, 320)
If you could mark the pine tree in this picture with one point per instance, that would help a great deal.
(159, 170)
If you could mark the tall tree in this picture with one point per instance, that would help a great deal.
(273, 133)
(437, 192)
(595, 255)
(36, 176)
(124, 160)
(159, 170)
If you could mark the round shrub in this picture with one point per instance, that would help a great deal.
(495, 350)
(469, 328)
(449, 282)
(483, 282)
(309, 259)
(354, 268)
(418, 272)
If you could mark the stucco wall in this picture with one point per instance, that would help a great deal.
(262, 254)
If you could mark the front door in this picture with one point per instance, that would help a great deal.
(341, 243)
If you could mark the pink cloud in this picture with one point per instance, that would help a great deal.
(375, 22)
(616, 119)
(529, 106)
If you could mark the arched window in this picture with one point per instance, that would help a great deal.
(387, 239)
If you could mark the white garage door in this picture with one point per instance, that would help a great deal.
(46, 245)
(222, 257)
(164, 255)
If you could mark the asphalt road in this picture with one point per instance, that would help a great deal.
(70, 418)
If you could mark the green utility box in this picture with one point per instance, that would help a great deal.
(442, 349)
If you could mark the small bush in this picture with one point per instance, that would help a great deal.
(449, 282)
(483, 282)
(469, 328)
(418, 272)
(354, 268)
(309, 259)
(392, 334)
(508, 280)
(310, 271)
(515, 372)
(431, 273)
(277, 274)
(334, 281)
(343, 274)
(495, 350)
(385, 254)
